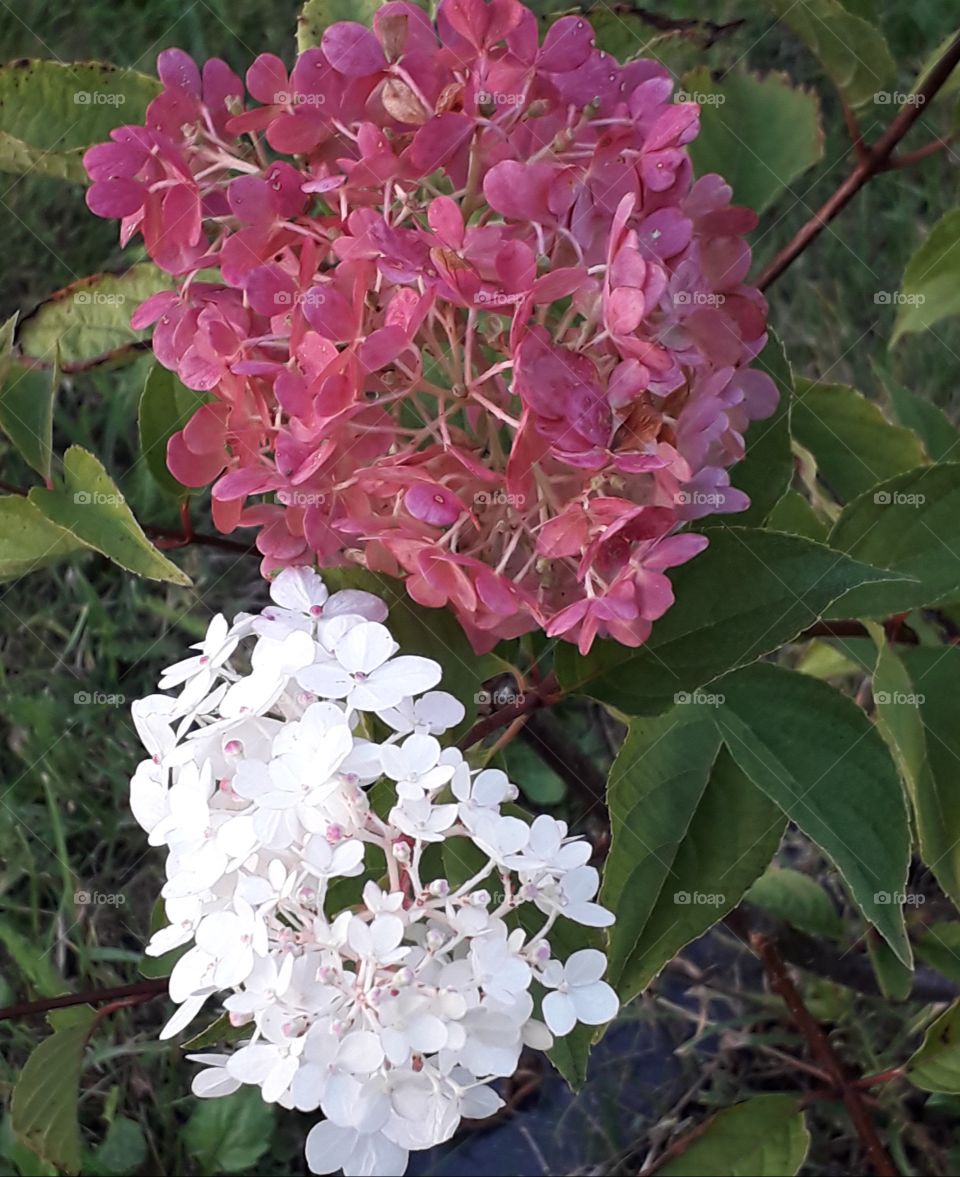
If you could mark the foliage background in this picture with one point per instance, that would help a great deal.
(86, 631)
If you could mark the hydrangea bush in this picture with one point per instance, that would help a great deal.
(457, 312)
(393, 1014)
(465, 315)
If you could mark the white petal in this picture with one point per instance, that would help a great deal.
(213, 1082)
(365, 647)
(298, 589)
(328, 1147)
(585, 967)
(328, 680)
(596, 1003)
(559, 1013)
(183, 1017)
(360, 1052)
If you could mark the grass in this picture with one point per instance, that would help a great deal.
(85, 631)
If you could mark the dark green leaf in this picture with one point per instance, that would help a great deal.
(794, 515)
(939, 435)
(915, 693)
(853, 51)
(815, 753)
(231, 1134)
(854, 445)
(936, 1065)
(669, 876)
(747, 594)
(166, 405)
(123, 1150)
(762, 1137)
(939, 947)
(930, 290)
(798, 900)
(760, 134)
(910, 525)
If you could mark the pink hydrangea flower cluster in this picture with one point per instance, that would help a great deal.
(470, 321)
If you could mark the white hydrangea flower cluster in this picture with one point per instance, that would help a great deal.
(391, 1002)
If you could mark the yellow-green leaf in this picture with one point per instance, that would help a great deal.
(44, 1107)
(51, 111)
(91, 507)
(90, 319)
(29, 540)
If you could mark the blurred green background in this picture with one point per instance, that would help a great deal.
(86, 630)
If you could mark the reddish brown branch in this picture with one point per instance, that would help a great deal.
(873, 159)
(823, 1052)
(545, 694)
(138, 992)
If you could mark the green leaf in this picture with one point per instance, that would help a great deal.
(915, 692)
(317, 15)
(33, 960)
(26, 413)
(939, 435)
(44, 1107)
(939, 947)
(911, 525)
(123, 1150)
(854, 445)
(815, 753)
(669, 877)
(51, 111)
(798, 900)
(795, 515)
(765, 1136)
(766, 470)
(853, 52)
(747, 594)
(91, 318)
(229, 1135)
(91, 507)
(760, 134)
(936, 1065)
(893, 976)
(28, 540)
(930, 290)
(166, 405)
